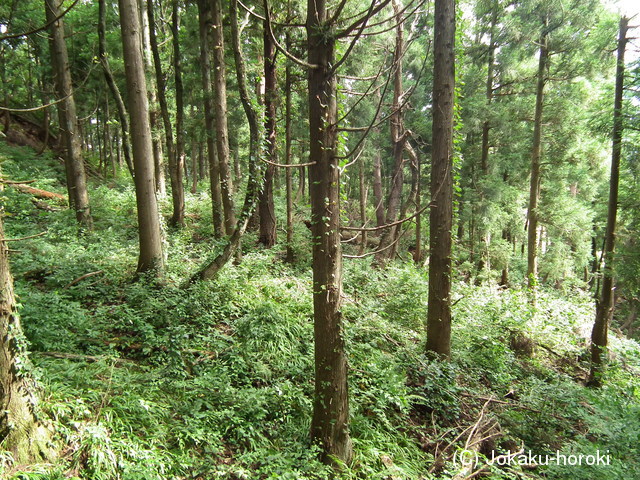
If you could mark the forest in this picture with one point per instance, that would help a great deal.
(351, 240)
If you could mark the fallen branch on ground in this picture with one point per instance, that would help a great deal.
(37, 192)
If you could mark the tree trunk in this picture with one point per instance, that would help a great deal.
(20, 431)
(441, 212)
(175, 173)
(377, 189)
(111, 83)
(195, 150)
(606, 303)
(74, 163)
(363, 206)
(211, 268)
(287, 155)
(148, 221)
(486, 126)
(398, 141)
(411, 199)
(330, 422)
(265, 206)
(177, 183)
(154, 114)
(536, 153)
(417, 254)
(222, 131)
(204, 13)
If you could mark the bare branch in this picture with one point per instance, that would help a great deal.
(33, 109)
(285, 52)
(371, 11)
(287, 165)
(22, 238)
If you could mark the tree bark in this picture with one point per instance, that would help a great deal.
(606, 303)
(220, 107)
(177, 183)
(287, 155)
(417, 253)
(536, 154)
(154, 114)
(195, 150)
(441, 211)
(398, 141)
(265, 206)
(21, 433)
(411, 199)
(149, 232)
(330, 422)
(204, 15)
(363, 206)
(74, 163)
(377, 189)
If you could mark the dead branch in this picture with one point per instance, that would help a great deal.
(82, 277)
(22, 238)
(87, 358)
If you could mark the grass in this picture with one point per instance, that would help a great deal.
(215, 381)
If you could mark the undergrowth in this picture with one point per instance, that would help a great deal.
(147, 380)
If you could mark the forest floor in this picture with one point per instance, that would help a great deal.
(145, 379)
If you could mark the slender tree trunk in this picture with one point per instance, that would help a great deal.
(265, 206)
(417, 254)
(606, 303)
(441, 212)
(111, 83)
(211, 268)
(302, 181)
(363, 206)
(107, 139)
(330, 422)
(411, 199)
(175, 173)
(148, 220)
(154, 114)
(220, 104)
(156, 146)
(536, 154)
(195, 149)
(205, 23)
(202, 161)
(486, 126)
(177, 182)
(119, 154)
(398, 140)
(74, 163)
(287, 154)
(377, 189)
(46, 118)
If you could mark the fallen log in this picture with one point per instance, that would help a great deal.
(39, 193)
